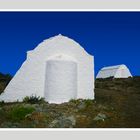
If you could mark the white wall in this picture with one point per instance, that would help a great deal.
(61, 81)
(30, 79)
(123, 72)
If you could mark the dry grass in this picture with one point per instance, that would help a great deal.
(116, 100)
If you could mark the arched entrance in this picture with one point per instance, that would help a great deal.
(60, 80)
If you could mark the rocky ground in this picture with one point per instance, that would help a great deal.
(116, 105)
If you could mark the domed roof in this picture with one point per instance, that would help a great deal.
(59, 40)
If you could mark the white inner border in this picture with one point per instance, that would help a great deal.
(70, 129)
(68, 10)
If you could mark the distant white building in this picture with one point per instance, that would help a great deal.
(58, 69)
(119, 71)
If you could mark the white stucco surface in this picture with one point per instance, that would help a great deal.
(118, 71)
(58, 69)
(61, 81)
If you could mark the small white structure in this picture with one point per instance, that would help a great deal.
(58, 69)
(119, 71)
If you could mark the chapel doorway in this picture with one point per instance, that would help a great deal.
(60, 80)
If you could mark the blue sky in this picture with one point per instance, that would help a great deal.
(112, 37)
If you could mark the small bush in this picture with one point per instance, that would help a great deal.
(76, 101)
(2, 103)
(73, 101)
(33, 99)
(18, 113)
(88, 102)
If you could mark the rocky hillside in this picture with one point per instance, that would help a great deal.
(124, 96)
(116, 105)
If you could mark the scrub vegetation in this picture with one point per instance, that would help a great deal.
(116, 105)
(4, 80)
(33, 99)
